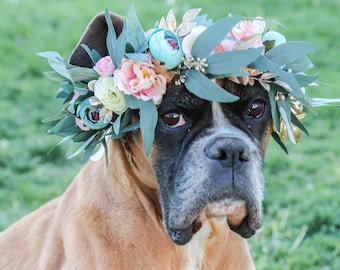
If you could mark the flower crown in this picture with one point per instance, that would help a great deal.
(98, 102)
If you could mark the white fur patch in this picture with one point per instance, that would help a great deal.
(196, 248)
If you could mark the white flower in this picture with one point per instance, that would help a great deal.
(189, 40)
(109, 95)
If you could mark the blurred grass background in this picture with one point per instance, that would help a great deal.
(301, 229)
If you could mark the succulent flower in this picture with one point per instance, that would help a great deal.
(166, 47)
(90, 115)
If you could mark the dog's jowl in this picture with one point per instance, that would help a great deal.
(183, 114)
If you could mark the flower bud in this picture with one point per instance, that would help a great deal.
(166, 47)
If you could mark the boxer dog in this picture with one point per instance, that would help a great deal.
(189, 204)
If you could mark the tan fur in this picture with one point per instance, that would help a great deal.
(110, 218)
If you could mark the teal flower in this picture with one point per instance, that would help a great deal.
(272, 39)
(90, 115)
(166, 47)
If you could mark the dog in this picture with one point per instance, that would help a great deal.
(189, 204)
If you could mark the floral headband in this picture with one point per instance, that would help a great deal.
(98, 101)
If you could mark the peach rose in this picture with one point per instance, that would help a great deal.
(139, 79)
(105, 66)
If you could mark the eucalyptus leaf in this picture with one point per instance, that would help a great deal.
(92, 53)
(289, 52)
(87, 153)
(298, 123)
(264, 64)
(111, 38)
(304, 80)
(299, 65)
(83, 136)
(280, 143)
(208, 40)
(285, 113)
(274, 109)
(52, 118)
(83, 146)
(231, 61)
(56, 61)
(133, 102)
(83, 74)
(133, 126)
(116, 125)
(317, 102)
(65, 127)
(138, 57)
(54, 76)
(135, 33)
(65, 89)
(201, 86)
(148, 121)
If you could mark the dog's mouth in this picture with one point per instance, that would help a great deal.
(234, 213)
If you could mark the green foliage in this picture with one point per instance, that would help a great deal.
(301, 228)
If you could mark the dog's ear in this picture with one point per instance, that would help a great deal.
(95, 38)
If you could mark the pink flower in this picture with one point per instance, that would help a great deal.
(139, 79)
(81, 125)
(105, 66)
(244, 35)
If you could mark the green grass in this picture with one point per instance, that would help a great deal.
(301, 229)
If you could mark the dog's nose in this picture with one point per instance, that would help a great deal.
(231, 151)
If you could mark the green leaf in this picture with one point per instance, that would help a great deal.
(133, 126)
(57, 63)
(54, 76)
(280, 143)
(135, 33)
(65, 89)
(289, 52)
(148, 121)
(300, 65)
(201, 86)
(274, 109)
(284, 109)
(115, 46)
(83, 135)
(84, 146)
(83, 74)
(93, 54)
(226, 63)
(87, 153)
(65, 127)
(208, 40)
(317, 102)
(133, 102)
(116, 125)
(304, 80)
(264, 64)
(298, 123)
(52, 118)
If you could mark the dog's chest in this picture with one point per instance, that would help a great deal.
(198, 250)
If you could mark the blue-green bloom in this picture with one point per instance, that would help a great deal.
(275, 37)
(166, 47)
(90, 115)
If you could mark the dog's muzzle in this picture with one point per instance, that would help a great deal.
(230, 190)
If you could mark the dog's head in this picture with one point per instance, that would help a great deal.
(208, 159)
(207, 156)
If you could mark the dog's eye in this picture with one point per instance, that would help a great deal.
(173, 119)
(256, 109)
